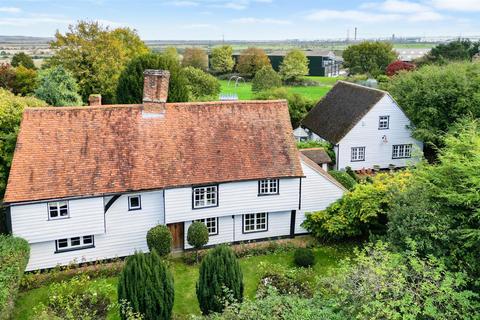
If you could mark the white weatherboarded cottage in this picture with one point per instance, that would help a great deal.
(87, 183)
(366, 127)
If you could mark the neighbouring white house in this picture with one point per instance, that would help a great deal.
(87, 183)
(366, 127)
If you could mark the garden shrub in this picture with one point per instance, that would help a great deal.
(159, 239)
(201, 85)
(197, 236)
(360, 212)
(220, 281)
(265, 79)
(344, 178)
(14, 254)
(285, 280)
(76, 299)
(147, 285)
(304, 257)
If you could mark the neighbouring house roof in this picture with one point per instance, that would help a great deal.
(341, 109)
(90, 151)
(317, 155)
(322, 172)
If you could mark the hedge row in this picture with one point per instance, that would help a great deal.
(14, 254)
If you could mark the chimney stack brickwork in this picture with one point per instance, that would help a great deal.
(95, 100)
(155, 86)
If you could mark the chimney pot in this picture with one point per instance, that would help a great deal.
(95, 100)
(155, 86)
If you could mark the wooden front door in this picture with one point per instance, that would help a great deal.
(177, 235)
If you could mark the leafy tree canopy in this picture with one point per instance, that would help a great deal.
(266, 79)
(462, 49)
(201, 85)
(251, 60)
(195, 57)
(294, 65)
(398, 66)
(96, 56)
(369, 57)
(25, 81)
(22, 59)
(58, 87)
(221, 59)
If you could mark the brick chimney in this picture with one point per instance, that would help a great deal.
(155, 86)
(95, 100)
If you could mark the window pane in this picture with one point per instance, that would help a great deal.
(75, 241)
(62, 243)
(134, 202)
(87, 239)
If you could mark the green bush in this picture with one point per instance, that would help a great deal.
(159, 239)
(201, 85)
(130, 83)
(147, 285)
(344, 178)
(76, 299)
(197, 236)
(220, 281)
(265, 79)
(304, 257)
(14, 254)
(285, 280)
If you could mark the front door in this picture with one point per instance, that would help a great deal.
(176, 229)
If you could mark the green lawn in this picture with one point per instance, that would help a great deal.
(244, 90)
(327, 257)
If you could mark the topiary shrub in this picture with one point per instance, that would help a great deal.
(147, 285)
(304, 257)
(344, 178)
(159, 239)
(220, 280)
(265, 79)
(197, 236)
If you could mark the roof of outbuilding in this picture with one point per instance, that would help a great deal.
(317, 155)
(90, 151)
(341, 109)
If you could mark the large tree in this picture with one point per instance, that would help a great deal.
(130, 84)
(369, 57)
(434, 97)
(58, 87)
(96, 56)
(251, 60)
(195, 57)
(294, 65)
(22, 59)
(25, 81)
(221, 59)
(462, 49)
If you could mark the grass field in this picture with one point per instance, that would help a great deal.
(244, 90)
(327, 258)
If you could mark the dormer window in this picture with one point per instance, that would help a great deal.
(383, 122)
(134, 203)
(204, 197)
(58, 210)
(268, 187)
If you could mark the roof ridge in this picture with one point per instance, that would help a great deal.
(362, 86)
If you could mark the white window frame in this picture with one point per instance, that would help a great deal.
(401, 151)
(211, 224)
(133, 208)
(205, 197)
(55, 206)
(75, 243)
(383, 122)
(259, 220)
(357, 154)
(268, 187)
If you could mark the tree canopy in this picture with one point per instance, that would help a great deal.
(201, 85)
(294, 65)
(195, 57)
(22, 59)
(369, 57)
(221, 59)
(462, 49)
(58, 87)
(265, 79)
(252, 60)
(130, 84)
(96, 56)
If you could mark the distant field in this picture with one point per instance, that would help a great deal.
(244, 90)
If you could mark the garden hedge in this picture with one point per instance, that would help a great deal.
(14, 254)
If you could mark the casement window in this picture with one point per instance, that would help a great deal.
(358, 154)
(212, 225)
(268, 186)
(204, 197)
(75, 243)
(383, 122)
(134, 203)
(400, 151)
(58, 210)
(255, 222)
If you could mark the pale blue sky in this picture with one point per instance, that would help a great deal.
(248, 19)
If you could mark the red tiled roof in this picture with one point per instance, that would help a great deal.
(89, 151)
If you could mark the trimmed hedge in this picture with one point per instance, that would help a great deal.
(14, 254)
(344, 178)
(159, 239)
